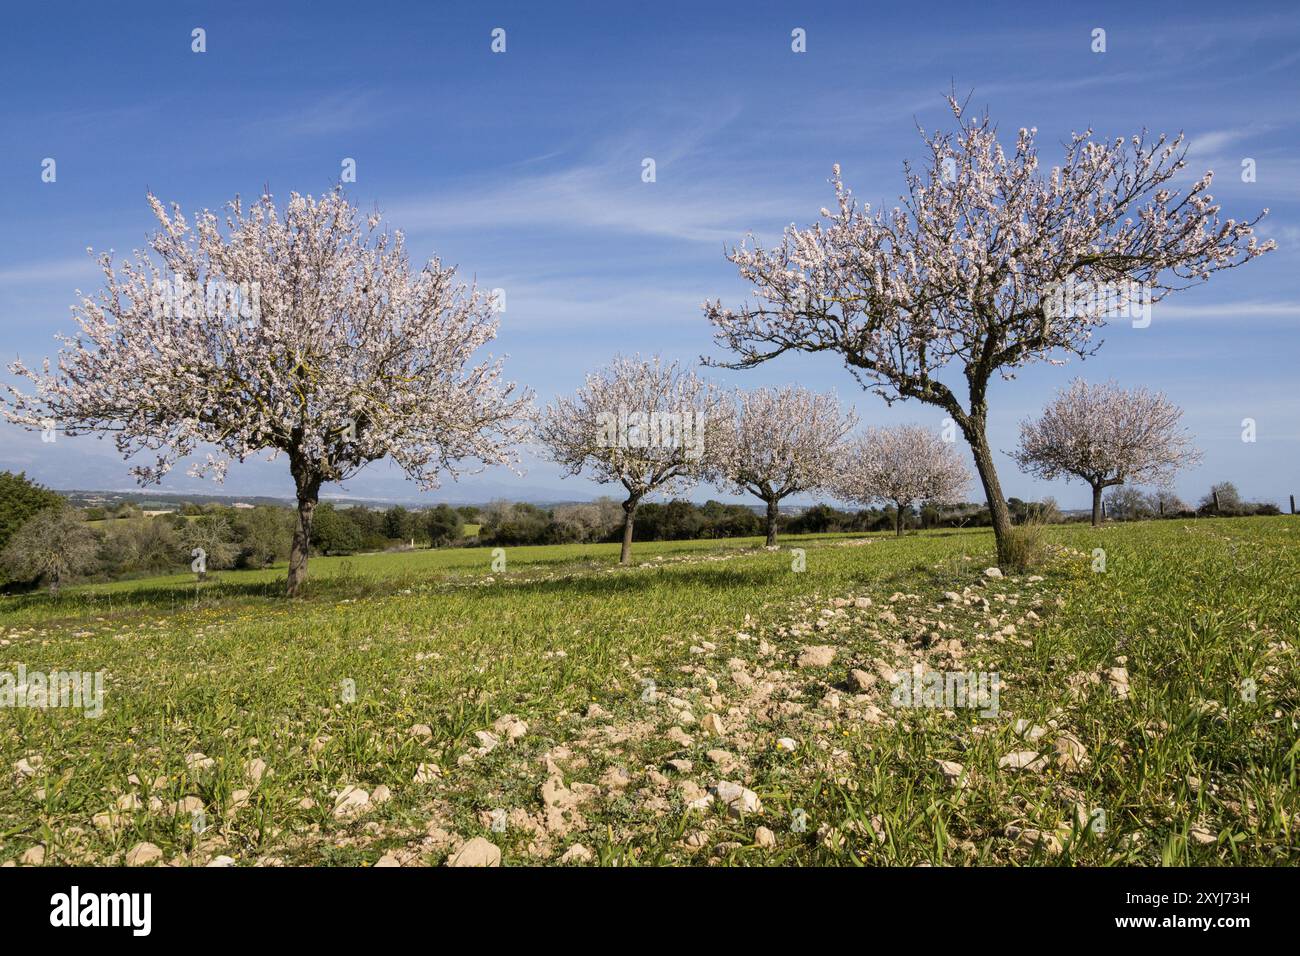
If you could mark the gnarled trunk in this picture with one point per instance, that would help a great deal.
(308, 496)
(773, 512)
(998, 511)
(1096, 506)
(898, 520)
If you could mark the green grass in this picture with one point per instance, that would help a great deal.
(438, 638)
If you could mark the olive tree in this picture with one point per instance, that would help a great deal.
(52, 546)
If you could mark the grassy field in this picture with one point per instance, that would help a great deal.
(569, 710)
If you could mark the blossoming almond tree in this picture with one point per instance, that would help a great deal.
(337, 355)
(903, 464)
(646, 424)
(779, 442)
(972, 270)
(1106, 436)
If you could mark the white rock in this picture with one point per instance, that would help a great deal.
(861, 680)
(1022, 760)
(576, 854)
(1070, 752)
(1048, 842)
(238, 800)
(187, 806)
(511, 726)
(765, 838)
(33, 856)
(1028, 731)
(198, 761)
(142, 854)
(427, 773)
(817, 655)
(352, 802)
(739, 800)
(954, 774)
(221, 861)
(476, 852)
(616, 778)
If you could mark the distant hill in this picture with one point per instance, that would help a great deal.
(163, 500)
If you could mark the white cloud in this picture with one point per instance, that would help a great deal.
(1254, 309)
(54, 270)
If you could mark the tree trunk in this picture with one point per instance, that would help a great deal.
(308, 495)
(1096, 506)
(773, 509)
(998, 511)
(898, 520)
(629, 515)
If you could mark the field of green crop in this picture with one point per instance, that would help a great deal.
(714, 703)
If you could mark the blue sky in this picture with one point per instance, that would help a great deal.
(524, 169)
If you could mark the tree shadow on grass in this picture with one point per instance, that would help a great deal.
(77, 605)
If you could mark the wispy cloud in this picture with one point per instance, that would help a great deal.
(347, 111)
(602, 199)
(56, 270)
(695, 195)
(1255, 309)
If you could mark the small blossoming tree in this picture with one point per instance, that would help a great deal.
(1106, 435)
(647, 424)
(903, 464)
(780, 442)
(349, 355)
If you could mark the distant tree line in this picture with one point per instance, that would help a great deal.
(46, 542)
(516, 523)
(1222, 500)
